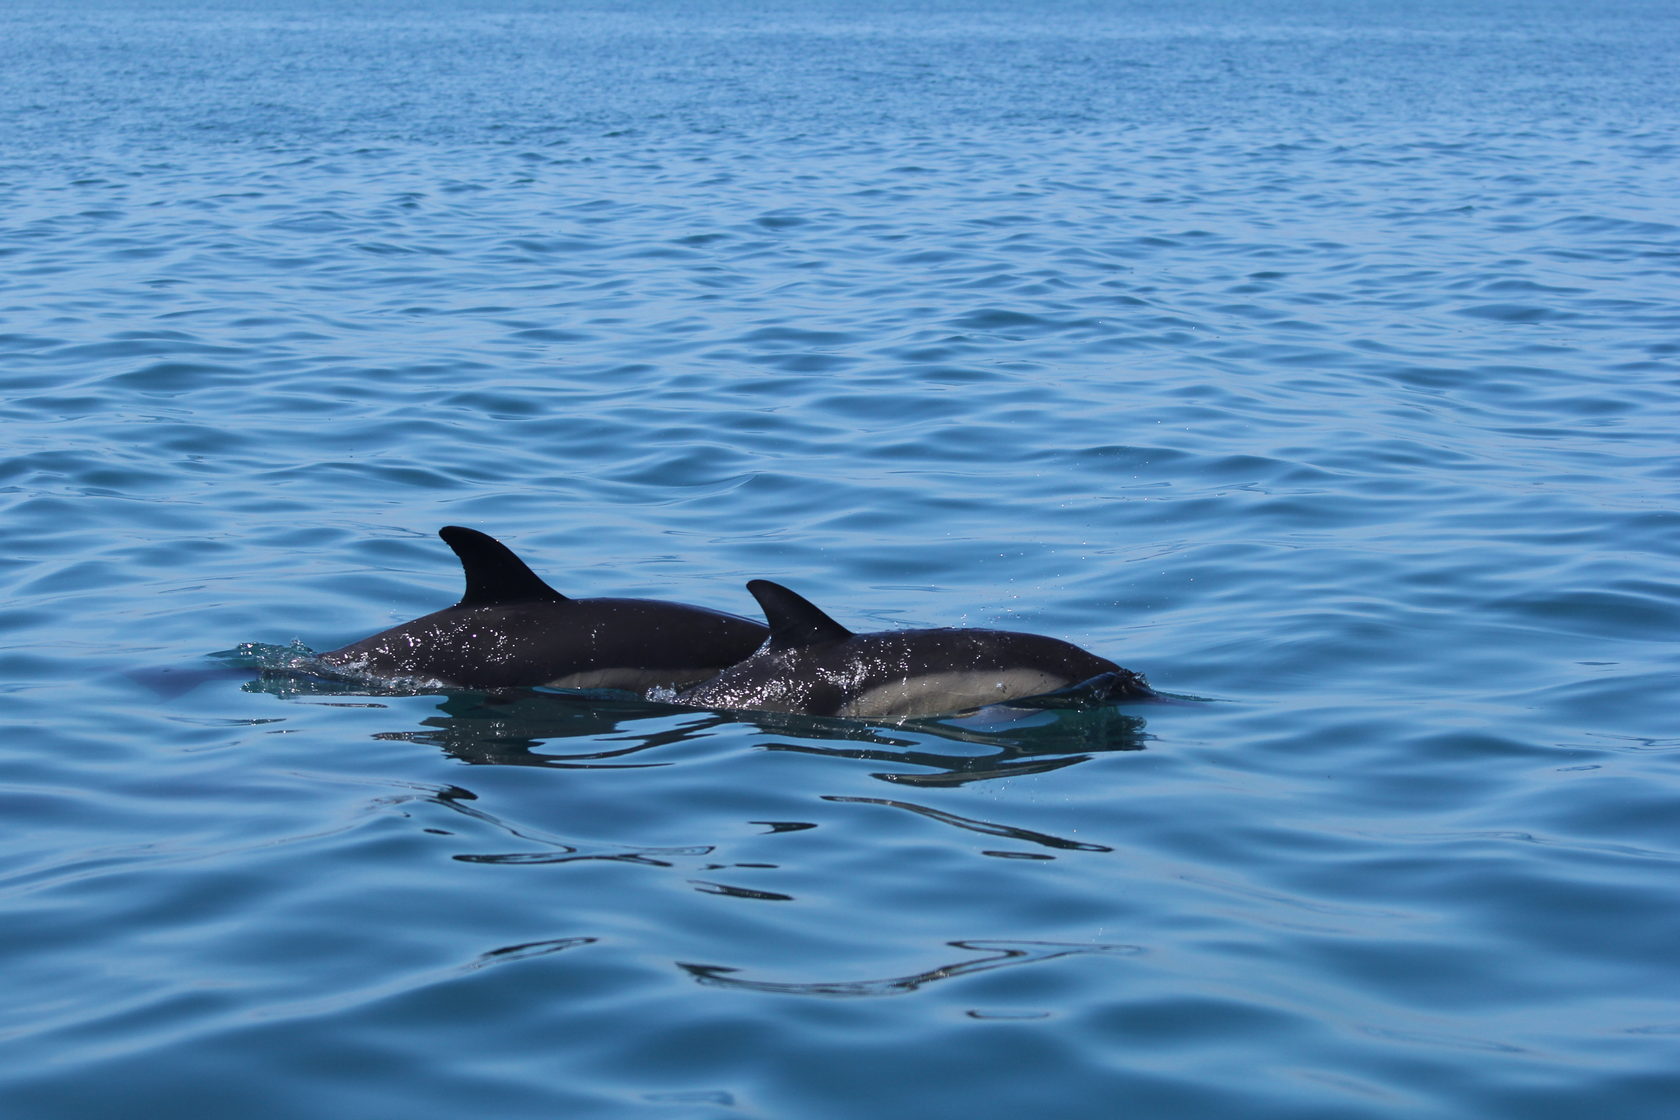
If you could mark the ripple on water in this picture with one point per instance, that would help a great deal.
(1358, 429)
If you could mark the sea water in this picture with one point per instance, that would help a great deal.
(1319, 361)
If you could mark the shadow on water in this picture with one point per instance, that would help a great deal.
(534, 727)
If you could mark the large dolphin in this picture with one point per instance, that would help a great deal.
(814, 666)
(512, 630)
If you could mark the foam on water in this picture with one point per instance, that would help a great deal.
(1319, 366)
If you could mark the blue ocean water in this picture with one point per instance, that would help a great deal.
(1317, 360)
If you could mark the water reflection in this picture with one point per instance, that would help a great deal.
(989, 828)
(574, 730)
(1002, 955)
(523, 730)
(952, 751)
(551, 848)
(541, 847)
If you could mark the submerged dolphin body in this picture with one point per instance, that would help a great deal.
(814, 666)
(511, 630)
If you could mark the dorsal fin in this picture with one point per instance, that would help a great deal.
(494, 574)
(793, 620)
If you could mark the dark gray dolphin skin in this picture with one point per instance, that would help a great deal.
(512, 630)
(814, 666)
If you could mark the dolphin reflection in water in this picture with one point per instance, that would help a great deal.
(584, 731)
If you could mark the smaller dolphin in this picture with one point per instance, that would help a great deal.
(814, 666)
(512, 630)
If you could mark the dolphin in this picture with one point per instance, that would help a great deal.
(512, 630)
(814, 666)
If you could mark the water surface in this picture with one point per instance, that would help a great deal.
(1317, 361)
